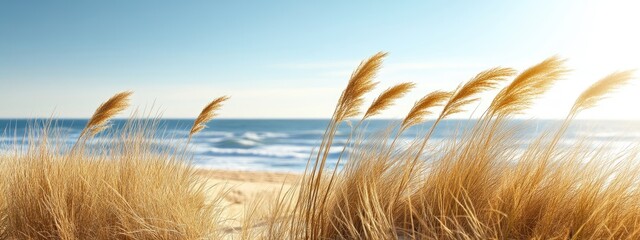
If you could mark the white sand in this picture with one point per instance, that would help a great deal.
(243, 188)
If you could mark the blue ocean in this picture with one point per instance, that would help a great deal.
(286, 145)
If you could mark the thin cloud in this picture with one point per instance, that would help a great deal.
(316, 65)
(407, 66)
(395, 66)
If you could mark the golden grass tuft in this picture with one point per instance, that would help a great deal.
(531, 83)
(104, 113)
(123, 188)
(386, 98)
(472, 186)
(465, 94)
(360, 83)
(484, 183)
(208, 113)
(598, 90)
(422, 108)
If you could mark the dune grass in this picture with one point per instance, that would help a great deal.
(478, 185)
(481, 184)
(123, 188)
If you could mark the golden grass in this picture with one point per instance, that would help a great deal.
(481, 184)
(361, 83)
(105, 112)
(531, 83)
(124, 188)
(386, 98)
(596, 92)
(464, 95)
(208, 113)
(422, 108)
(476, 186)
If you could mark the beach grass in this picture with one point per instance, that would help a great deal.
(484, 183)
(121, 186)
(478, 185)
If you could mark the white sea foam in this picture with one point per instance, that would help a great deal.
(256, 152)
(205, 133)
(230, 145)
(254, 163)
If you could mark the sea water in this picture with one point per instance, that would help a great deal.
(286, 145)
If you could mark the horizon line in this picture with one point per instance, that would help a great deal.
(303, 118)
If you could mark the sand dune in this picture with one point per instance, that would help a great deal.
(242, 188)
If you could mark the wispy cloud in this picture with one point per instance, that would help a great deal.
(343, 68)
(408, 66)
(389, 66)
(317, 65)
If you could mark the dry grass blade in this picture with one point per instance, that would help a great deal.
(361, 82)
(421, 108)
(483, 81)
(105, 112)
(494, 180)
(206, 115)
(530, 84)
(387, 97)
(140, 192)
(597, 91)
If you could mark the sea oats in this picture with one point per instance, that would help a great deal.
(422, 108)
(531, 83)
(598, 90)
(360, 83)
(466, 94)
(208, 113)
(387, 97)
(105, 112)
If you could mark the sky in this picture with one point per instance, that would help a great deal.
(291, 59)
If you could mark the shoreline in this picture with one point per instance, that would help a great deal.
(243, 189)
(248, 175)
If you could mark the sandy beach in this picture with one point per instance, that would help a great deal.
(243, 188)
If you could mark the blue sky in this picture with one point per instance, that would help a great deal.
(290, 59)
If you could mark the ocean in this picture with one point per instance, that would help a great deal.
(285, 145)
